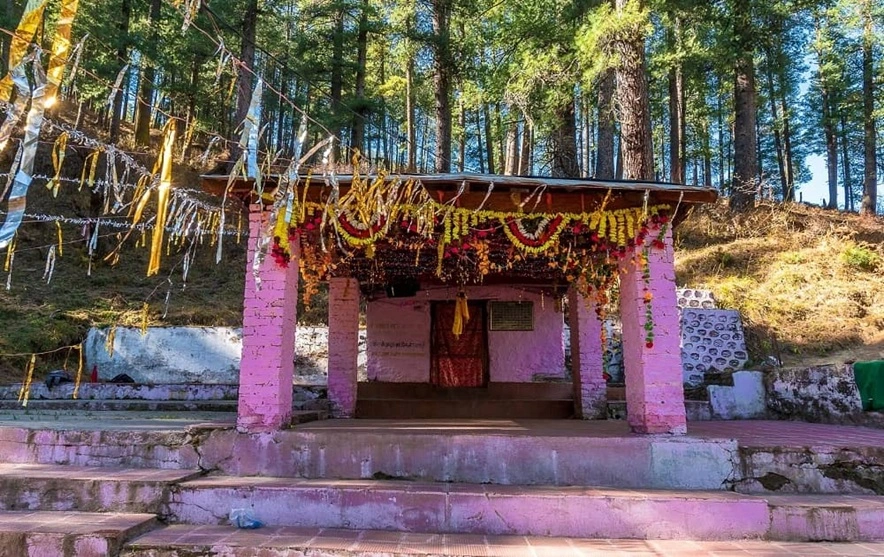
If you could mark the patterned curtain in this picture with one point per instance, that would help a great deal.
(458, 361)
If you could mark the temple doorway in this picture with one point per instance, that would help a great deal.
(459, 360)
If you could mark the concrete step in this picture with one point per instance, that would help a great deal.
(43, 487)
(128, 405)
(826, 517)
(226, 541)
(482, 409)
(69, 534)
(527, 510)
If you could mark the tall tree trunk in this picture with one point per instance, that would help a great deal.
(870, 164)
(745, 140)
(245, 78)
(632, 98)
(563, 143)
(122, 55)
(787, 148)
(357, 132)
(462, 138)
(512, 145)
(845, 157)
(676, 113)
(442, 73)
(145, 97)
(831, 146)
(489, 139)
(337, 77)
(707, 159)
(499, 135)
(778, 144)
(604, 164)
(480, 149)
(525, 153)
(585, 137)
(410, 163)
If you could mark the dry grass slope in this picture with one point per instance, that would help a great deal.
(809, 282)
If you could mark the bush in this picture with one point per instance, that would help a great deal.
(861, 258)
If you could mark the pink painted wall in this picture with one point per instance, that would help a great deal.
(399, 337)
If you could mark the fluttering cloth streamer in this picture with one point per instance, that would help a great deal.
(16, 109)
(24, 33)
(156, 246)
(23, 176)
(250, 126)
(61, 46)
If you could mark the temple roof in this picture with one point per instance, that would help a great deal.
(660, 191)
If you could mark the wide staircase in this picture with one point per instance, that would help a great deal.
(403, 401)
(140, 494)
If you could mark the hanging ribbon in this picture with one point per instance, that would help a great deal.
(461, 314)
(162, 198)
(24, 33)
(249, 139)
(61, 46)
(29, 150)
(116, 87)
(191, 9)
(49, 269)
(15, 111)
(58, 152)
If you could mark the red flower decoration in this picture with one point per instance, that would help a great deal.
(649, 345)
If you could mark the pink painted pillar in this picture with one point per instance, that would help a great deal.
(587, 358)
(654, 391)
(343, 345)
(268, 343)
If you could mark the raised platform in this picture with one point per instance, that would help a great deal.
(473, 482)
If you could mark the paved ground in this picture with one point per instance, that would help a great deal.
(352, 542)
(751, 433)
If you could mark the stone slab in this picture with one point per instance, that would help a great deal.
(41, 487)
(458, 508)
(176, 541)
(745, 400)
(69, 534)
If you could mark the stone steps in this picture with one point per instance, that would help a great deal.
(226, 541)
(41, 487)
(581, 512)
(69, 534)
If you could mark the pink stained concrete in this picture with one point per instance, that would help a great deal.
(476, 509)
(654, 391)
(399, 337)
(587, 358)
(268, 347)
(343, 345)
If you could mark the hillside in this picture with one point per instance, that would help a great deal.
(809, 282)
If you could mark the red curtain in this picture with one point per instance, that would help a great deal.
(458, 361)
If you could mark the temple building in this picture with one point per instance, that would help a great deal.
(465, 283)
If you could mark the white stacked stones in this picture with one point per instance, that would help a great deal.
(694, 299)
(711, 340)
